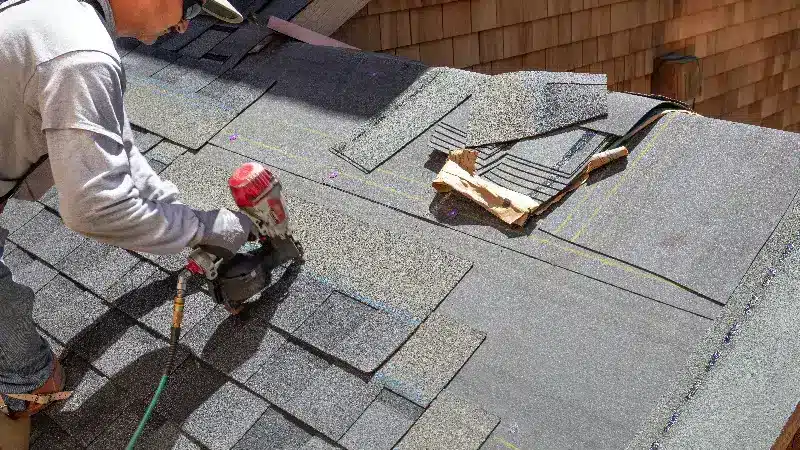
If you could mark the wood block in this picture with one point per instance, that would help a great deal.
(677, 77)
(437, 53)
(604, 47)
(620, 43)
(641, 38)
(590, 51)
(466, 50)
(456, 18)
(491, 45)
(410, 52)
(507, 65)
(426, 24)
(327, 16)
(601, 21)
(543, 34)
(534, 10)
(564, 29)
(515, 40)
(619, 17)
(581, 25)
(535, 60)
(510, 12)
(484, 14)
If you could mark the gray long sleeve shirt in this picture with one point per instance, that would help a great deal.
(61, 93)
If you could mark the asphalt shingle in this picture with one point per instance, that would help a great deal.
(384, 422)
(372, 342)
(187, 75)
(144, 139)
(94, 404)
(450, 422)
(25, 269)
(224, 417)
(146, 60)
(204, 43)
(166, 152)
(18, 213)
(64, 310)
(625, 111)
(51, 436)
(431, 357)
(333, 401)
(117, 435)
(273, 430)
(286, 374)
(96, 265)
(47, 237)
(190, 386)
(333, 321)
(131, 281)
(518, 105)
(289, 301)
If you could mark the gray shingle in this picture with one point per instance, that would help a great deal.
(383, 424)
(118, 433)
(624, 111)
(369, 345)
(679, 205)
(191, 385)
(168, 437)
(518, 105)
(166, 152)
(17, 213)
(64, 310)
(146, 60)
(316, 443)
(286, 374)
(47, 237)
(273, 430)
(333, 321)
(96, 265)
(198, 26)
(333, 401)
(51, 199)
(145, 140)
(170, 263)
(450, 422)
(93, 397)
(46, 435)
(235, 347)
(151, 303)
(426, 363)
(204, 43)
(131, 281)
(25, 269)
(431, 97)
(157, 166)
(291, 299)
(224, 417)
(186, 76)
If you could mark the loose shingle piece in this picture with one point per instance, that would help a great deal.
(46, 236)
(518, 105)
(426, 101)
(224, 417)
(450, 422)
(383, 424)
(425, 364)
(625, 111)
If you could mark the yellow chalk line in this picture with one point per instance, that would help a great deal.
(505, 443)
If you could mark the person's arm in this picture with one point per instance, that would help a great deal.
(80, 101)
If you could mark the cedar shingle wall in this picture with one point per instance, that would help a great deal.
(749, 49)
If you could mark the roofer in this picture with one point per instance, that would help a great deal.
(61, 96)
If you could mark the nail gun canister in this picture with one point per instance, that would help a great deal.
(257, 193)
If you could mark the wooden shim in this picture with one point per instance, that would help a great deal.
(327, 16)
(303, 34)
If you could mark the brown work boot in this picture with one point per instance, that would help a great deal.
(39, 398)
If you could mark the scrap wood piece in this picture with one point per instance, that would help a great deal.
(327, 16)
(511, 207)
(304, 34)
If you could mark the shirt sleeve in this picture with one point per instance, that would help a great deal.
(106, 192)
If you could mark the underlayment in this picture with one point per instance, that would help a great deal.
(625, 111)
(426, 101)
(430, 359)
(518, 105)
(450, 422)
(694, 203)
(740, 384)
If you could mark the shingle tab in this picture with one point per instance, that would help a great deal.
(333, 321)
(97, 265)
(191, 385)
(25, 269)
(145, 140)
(166, 152)
(17, 213)
(425, 364)
(450, 422)
(625, 111)
(128, 283)
(383, 424)
(224, 417)
(518, 105)
(333, 401)
(47, 237)
(286, 374)
(146, 60)
(204, 43)
(64, 310)
(369, 345)
(119, 432)
(273, 430)
(93, 397)
(292, 299)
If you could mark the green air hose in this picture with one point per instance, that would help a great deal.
(174, 336)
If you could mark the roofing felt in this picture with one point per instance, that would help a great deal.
(580, 342)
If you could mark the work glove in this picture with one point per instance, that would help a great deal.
(224, 232)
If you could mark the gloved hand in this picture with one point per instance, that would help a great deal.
(224, 232)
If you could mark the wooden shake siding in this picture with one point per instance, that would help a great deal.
(749, 49)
